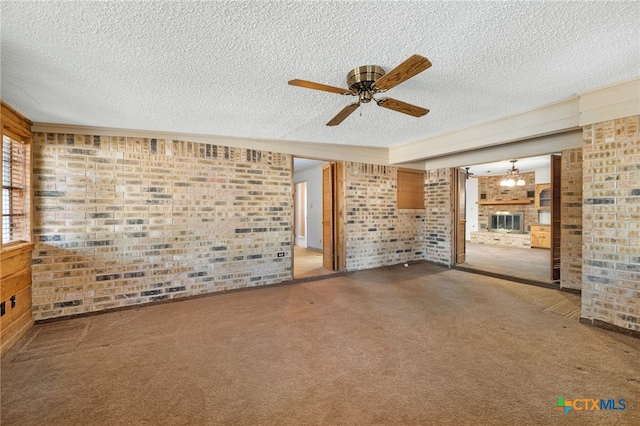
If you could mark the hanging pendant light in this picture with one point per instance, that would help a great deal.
(512, 178)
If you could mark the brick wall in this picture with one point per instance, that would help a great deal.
(489, 186)
(378, 233)
(571, 219)
(611, 223)
(121, 221)
(439, 191)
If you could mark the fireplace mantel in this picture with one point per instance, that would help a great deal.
(503, 202)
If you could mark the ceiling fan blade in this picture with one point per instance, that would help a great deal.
(317, 86)
(402, 107)
(412, 66)
(346, 111)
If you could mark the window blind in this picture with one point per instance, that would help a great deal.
(14, 191)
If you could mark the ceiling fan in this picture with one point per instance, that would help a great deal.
(369, 80)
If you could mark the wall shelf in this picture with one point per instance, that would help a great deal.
(504, 202)
(543, 196)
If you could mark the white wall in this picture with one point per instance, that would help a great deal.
(543, 176)
(472, 207)
(313, 177)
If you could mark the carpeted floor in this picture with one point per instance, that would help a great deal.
(415, 345)
(524, 264)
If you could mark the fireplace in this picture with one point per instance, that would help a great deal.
(507, 222)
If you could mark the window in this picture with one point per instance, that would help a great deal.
(410, 189)
(16, 177)
(14, 191)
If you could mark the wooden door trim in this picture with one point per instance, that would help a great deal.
(459, 225)
(556, 217)
(338, 251)
(328, 195)
(340, 216)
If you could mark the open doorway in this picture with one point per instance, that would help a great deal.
(314, 249)
(509, 227)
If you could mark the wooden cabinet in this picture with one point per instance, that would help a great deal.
(541, 236)
(543, 196)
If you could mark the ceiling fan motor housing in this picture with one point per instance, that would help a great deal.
(360, 80)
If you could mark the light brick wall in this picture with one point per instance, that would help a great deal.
(490, 187)
(498, 238)
(571, 220)
(121, 221)
(377, 232)
(439, 199)
(611, 223)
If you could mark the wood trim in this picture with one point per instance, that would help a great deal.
(556, 216)
(14, 124)
(340, 216)
(503, 202)
(460, 216)
(18, 127)
(328, 218)
(14, 249)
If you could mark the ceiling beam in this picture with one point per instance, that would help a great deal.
(549, 119)
(610, 102)
(528, 148)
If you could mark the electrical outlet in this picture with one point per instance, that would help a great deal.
(281, 254)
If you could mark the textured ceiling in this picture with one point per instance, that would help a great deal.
(221, 68)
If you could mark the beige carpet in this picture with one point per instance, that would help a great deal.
(527, 264)
(416, 345)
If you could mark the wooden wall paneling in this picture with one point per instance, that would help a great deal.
(15, 294)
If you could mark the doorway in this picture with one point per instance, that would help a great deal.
(477, 249)
(317, 225)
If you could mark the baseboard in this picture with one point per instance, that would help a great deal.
(610, 327)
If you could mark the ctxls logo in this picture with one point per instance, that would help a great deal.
(590, 404)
